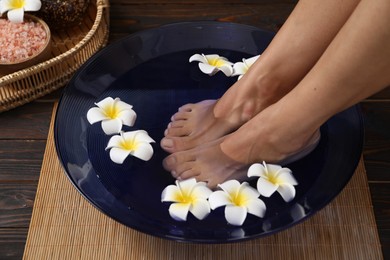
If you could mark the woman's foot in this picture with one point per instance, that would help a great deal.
(229, 157)
(206, 163)
(196, 124)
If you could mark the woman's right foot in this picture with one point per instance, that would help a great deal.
(208, 120)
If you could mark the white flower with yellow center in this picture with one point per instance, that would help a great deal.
(16, 8)
(113, 113)
(135, 143)
(274, 178)
(188, 196)
(240, 68)
(211, 64)
(239, 200)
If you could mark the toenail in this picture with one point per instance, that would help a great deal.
(167, 143)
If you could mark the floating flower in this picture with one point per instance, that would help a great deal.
(135, 143)
(274, 178)
(188, 196)
(211, 64)
(239, 200)
(16, 8)
(240, 68)
(113, 113)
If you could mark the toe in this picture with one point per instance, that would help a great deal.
(181, 115)
(175, 162)
(178, 131)
(190, 173)
(186, 108)
(175, 124)
(173, 144)
(167, 144)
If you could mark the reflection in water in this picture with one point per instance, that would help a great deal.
(295, 213)
(237, 233)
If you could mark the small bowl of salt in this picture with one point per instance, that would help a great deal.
(23, 44)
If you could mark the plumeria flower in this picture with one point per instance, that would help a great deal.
(188, 196)
(240, 68)
(113, 113)
(135, 143)
(16, 8)
(211, 64)
(273, 178)
(239, 200)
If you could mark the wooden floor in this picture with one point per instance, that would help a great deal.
(23, 131)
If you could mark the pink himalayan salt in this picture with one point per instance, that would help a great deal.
(19, 41)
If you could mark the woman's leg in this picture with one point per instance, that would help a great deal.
(294, 50)
(354, 66)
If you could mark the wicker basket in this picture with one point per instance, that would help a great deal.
(70, 49)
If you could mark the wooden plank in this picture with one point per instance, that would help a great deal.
(377, 140)
(382, 95)
(384, 235)
(21, 160)
(16, 203)
(30, 121)
(12, 241)
(380, 194)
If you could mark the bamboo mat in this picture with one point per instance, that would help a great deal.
(65, 226)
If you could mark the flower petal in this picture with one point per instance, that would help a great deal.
(249, 62)
(115, 141)
(213, 57)
(285, 176)
(128, 117)
(144, 151)
(201, 191)
(170, 194)
(5, 5)
(219, 198)
(142, 136)
(32, 5)
(265, 187)
(208, 69)
(198, 57)
(108, 101)
(231, 187)
(118, 155)
(200, 208)
(179, 211)
(112, 126)
(287, 191)
(256, 169)
(96, 114)
(248, 192)
(138, 135)
(120, 105)
(235, 215)
(272, 169)
(239, 68)
(186, 186)
(226, 69)
(16, 15)
(256, 207)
